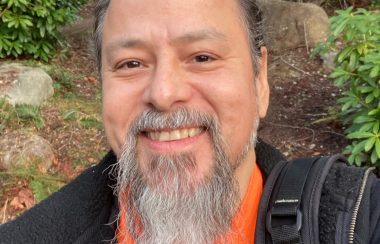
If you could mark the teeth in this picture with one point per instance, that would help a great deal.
(164, 136)
(174, 134)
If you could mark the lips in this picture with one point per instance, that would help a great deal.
(173, 135)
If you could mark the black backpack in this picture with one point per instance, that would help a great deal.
(290, 204)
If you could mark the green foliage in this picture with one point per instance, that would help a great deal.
(22, 114)
(30, 27)
(64, 82)
(70, 114)
(41, 183)
(43, 187)
(5, 114)
(83, 120)
(88, 122)
(356, 34)
(30, 113)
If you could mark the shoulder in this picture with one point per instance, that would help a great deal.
(374, 211)
(348, 207)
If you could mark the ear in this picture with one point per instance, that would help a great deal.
(262, 87)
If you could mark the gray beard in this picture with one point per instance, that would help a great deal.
(167, 204)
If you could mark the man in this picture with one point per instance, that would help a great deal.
(184, 86)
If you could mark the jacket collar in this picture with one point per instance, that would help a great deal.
(267, 157)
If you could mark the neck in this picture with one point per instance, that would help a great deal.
(244, 171)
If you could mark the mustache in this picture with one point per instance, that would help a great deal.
(152, 119)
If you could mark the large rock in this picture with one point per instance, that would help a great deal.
(290, 25)
(21, 84)
(21, 149)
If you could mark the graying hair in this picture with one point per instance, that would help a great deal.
(251, 17)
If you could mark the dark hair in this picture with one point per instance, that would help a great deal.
(251, 17)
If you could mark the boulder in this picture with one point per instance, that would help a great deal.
(289, 25)
(21, 84)
(21, 149)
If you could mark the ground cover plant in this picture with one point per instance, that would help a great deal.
(356, 36)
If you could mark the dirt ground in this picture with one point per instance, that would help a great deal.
(299, 121)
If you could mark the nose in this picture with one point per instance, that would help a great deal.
(168, 87)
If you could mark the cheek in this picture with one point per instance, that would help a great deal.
(235, 106)
(237, 124)
(120, 107)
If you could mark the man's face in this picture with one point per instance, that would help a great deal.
(171, 54)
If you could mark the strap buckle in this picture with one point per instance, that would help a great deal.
(282, 220)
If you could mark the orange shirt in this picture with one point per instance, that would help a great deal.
(244, 222)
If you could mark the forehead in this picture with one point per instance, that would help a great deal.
(171, 19)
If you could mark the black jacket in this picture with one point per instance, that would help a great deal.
(85, 210)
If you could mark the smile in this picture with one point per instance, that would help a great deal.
(174, 135)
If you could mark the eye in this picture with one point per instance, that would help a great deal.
(130, 64)
(202, 58)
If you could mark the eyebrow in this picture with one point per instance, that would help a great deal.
(209, 34)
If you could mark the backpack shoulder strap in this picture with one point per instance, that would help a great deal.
(288, 211)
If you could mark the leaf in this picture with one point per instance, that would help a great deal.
(70, 114)
(358, 160)
(359, 135)
(369, 144)
(374, 112)
(363, 119)
(358, 147)
(42, 31)
(338, 72)
(344, 53)
(366, 127)
(350, 34)
(375, 71)
(374, 157)
(365, 89)
(376, 126)
(377, 147)
(340, 81)
(351, 159)
(339, 28)
(365, 67)
(376, 93)
(346, 106)
(369, 98)
(38, 190)
(89, 122)
(361, 48)
(353, 61)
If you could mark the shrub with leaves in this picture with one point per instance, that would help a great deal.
(356, 34)
(30, 27)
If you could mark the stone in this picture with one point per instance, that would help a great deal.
(290, 25)
(22, 149)
(329, 61)
(22, 84)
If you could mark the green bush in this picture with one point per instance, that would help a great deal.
(356, 34)
(30, 27)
